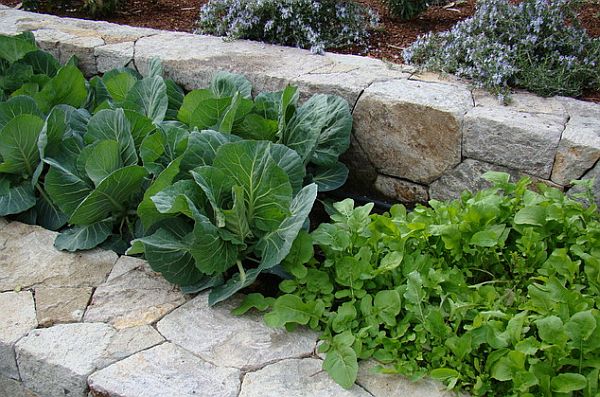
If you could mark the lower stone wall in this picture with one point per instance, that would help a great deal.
(94, 324)
(415, 137)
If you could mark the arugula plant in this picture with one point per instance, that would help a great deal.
(319, 129)
(237, 215)
(496, 294)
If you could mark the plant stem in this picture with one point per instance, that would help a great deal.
(241, 270)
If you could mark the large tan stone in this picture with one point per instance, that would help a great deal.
(411, 129)
(164, 370)
(18, 318)
(28, 258)
(217, 336)
(136, 297)
(401, 190)
(56, 361)
(295, 378)
(55, 305)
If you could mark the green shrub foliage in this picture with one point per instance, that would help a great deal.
(496, 293)
(533, 44)
(315, 25)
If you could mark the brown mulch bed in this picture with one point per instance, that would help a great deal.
(385, 43)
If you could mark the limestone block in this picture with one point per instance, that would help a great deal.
(113, 56)
(56, 361)
(411, 129)
(385, 385)
(191, 60)
(295, 378)
(217, 336)
(522, 102)
(466, 176)
(56, 305)
(523, 141)
(3, 223)
(578, 150)
(83, 48)
(28, 258)
(164, 370)
(18, 318)
(401, 190)
(134, 298)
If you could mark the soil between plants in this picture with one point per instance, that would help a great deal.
(386, 42)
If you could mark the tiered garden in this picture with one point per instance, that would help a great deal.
(495, 294)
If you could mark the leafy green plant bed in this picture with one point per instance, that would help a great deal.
(213, 185)
(496, 294)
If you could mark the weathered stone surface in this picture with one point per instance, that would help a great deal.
(362, 173)
(83, 48)
(579, 108)
(466, 176)
(347, 76)
(3, 223)
(523, 141)
(295, 378)
(432, 77)
(134, 298)
(411, 129)
(382, 385)
(56, 305)
(56, 361)
(126, 264)
(578, 150)
(522, 102)
(164, 370)
(28, 258)
(113, 56)
(18, 318)
(219, 337)
(191, 60)
(13, 388)
(401, 190)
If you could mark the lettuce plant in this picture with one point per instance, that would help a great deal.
(497, 293)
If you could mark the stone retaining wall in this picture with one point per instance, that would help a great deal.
(94, 324)
(416, 136)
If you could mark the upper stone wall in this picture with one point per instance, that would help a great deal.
(416, 136)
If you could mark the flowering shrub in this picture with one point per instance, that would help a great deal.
(302, 23)
(536, 44)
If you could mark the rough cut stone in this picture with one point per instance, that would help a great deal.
(523, 141)
(56, 361)
(3, 223)
(347, 76)
(14, 388)
(401, 190)
(578, 150)
(18, 318)
(295, 378)
(466, 176)
(83, 48)
(28, 258)
(134, 298)
(522, 102)
(61, 305)
(579, 108)
(217, 336)
(113, 56)
(362, 173)
(383, 385)
(164, 370)
(411, 129)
